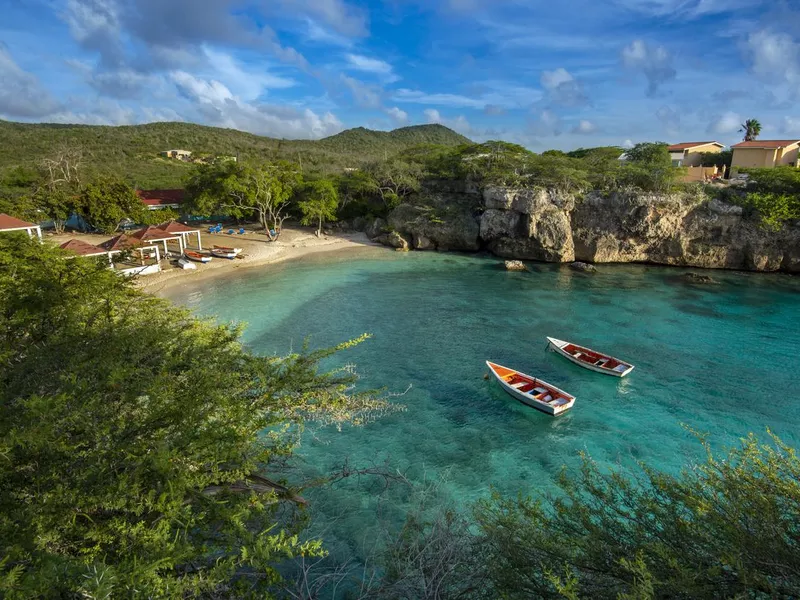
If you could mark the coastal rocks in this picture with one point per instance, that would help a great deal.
(515, 265)
(583, 267)
(546, 225)
(394, 240)
(697, 278)
(437, 227)
(528, 224)
(375, 228)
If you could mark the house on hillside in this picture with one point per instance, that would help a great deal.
(765, 154)
(689, 154)
(158, 199)
(178, 154)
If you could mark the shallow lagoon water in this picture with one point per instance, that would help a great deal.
(719, 359)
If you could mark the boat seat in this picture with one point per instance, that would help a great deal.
(519, 384)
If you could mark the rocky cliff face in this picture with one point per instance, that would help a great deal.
(535, 224)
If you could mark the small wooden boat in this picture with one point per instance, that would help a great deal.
(531, 391)
(196, 256)
(225, 251)
(186, 264)
(591, 359)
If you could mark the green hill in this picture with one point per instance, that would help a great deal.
(132, 151)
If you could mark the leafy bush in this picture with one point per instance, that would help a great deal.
(774, 209)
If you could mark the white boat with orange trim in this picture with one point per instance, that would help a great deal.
(196, 256)
(591, 359)
(225, 251)
(532, 391)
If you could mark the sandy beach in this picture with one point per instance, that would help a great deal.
(257, 250)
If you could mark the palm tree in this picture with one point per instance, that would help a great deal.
(751, 129)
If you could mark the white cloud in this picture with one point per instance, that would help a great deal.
(726, 123)
(366, 64)
(654, 62)
(432, 115)
(248, 84)
(22, 94)
(563, 88)
(219, 106)
(454, 100)
(585, 127)
(628, 144)
(345, 19)
(775, 57)
(399, 117)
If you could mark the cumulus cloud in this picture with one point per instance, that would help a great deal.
(432, 115)
(219, 106)
(562, 88)
(654, 62)
(398, 117)
(726, 123)
(21, 93)
(628, 144)
(775, 57)
(584, 127)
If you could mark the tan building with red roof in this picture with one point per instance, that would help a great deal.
(765, 154)
(689, 154)
(9, 224)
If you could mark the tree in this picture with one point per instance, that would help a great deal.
(106, 203)
(751, 129)
(133, 453)
(649, 167)
(320, 203)
(396, 179)
(726, 528)
(241, 191)
(56, 196)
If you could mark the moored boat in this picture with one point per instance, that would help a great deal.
(591, 359)
(225, 251)
(186, 264)
(532, 391)
(196, 256)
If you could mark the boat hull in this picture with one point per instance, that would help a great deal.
(198, 258)
(559, 347)
(527, 399)
(220, 254)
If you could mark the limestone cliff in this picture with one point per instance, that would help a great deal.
(544, 225)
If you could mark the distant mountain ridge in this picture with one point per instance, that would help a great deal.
(131, 151)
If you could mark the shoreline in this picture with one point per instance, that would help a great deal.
(257, 251)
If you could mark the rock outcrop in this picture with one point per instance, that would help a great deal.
(544, 225)
(515, 265)
(582, 266)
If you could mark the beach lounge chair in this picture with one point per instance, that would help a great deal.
(242, 231)
(231, 232)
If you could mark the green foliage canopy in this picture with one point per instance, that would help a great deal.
(320, 203)
(105, 203)
(136, 442)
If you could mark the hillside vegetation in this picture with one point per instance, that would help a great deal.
(132, 151)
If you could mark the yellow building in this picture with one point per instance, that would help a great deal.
(688, 154)
(765, 153)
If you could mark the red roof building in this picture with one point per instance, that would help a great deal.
(153, 235)
(687, 145)
(690, 154)
(83, 248)
(156, 199)
(765, 154)
(121, 242)
(9, 223)
(182, 230)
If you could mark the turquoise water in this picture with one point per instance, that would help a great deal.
(720, 359)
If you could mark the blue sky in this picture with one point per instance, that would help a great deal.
(543, 73)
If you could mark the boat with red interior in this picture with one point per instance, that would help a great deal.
(196, 256)
(532, 391)
(591, 359)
